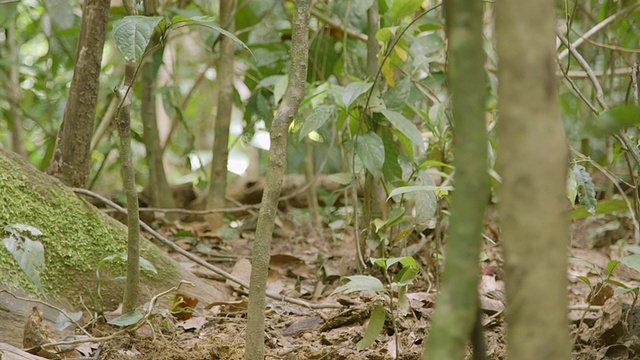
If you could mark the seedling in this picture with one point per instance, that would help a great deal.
(396, 285)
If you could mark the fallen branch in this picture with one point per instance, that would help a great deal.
(198, 260)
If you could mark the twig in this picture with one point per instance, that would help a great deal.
(198, 260)
(598, 27)
(127, 329)
(354, 34)
(47, 305)
(585, 66)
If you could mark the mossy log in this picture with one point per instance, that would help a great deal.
(76, 236)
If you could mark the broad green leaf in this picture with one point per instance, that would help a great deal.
(386, 33)
(587, 190)
(615, 119)
(144, 263)
(379, 224)
(391, 168)
(280, 87)
(370, 149)
(316, 119)
(620, 291)
(342, 178)
(376, 323)
(405, 126)
(611, 265)
(353, 91)
(132, 35)
(406, 276)
(409, 189)
(602, 208)
(575, 260)
(360, 283)
(207, 21)
(63, 322)
(632, 261)
(127, 319)
(585, 280)
(403, 301)
(402, 8)
(616, 283)
(28, 253)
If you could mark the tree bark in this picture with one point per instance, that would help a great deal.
(456, 311)
(277, 157)
(12, 86)
(218, 182)
(533, 166)
(71, 157)
(123, 118)
(157, 184)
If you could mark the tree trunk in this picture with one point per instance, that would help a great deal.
(456, 311)
(158, 185)
(533, 166)
(71, 156)
(76, 236)
(275, 171)
(218, 182)
(12, 86)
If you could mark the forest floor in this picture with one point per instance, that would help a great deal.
(307, 264)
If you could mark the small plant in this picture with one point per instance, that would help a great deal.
(396, 285)
(632, 261)
(96, 297)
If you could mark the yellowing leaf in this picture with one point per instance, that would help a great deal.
(401, 53)
(387, 72)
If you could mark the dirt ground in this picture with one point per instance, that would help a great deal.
(307, 264)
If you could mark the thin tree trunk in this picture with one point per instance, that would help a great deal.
(277, 157)
(371, 207)
(12, 87)
(158, 185)
(123, 117)
(456, 310)
(533, 166)
(312, 196)
(218, 182)
(71, 160)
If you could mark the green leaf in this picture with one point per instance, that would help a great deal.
(353, 91)
(611, 265)
(342, 178)
(403, 301)
(632, 261)
(360, 283)
(434, 163)
(587, 190)
(615, 119)
(408, 189)
(620, 291)
(280, 87)
(28, 253)
(133, 33)
(406, 276)
(376, 323)
(63, 322)
(585, 280)
(206, 21)
(602, 208)
(370, 149)
(316, 119)
(574, 260)
(127, 319)
(402, 8)
(405, 126)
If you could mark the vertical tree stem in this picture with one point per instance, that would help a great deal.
(277, 157)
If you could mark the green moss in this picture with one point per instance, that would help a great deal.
(75, 234)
